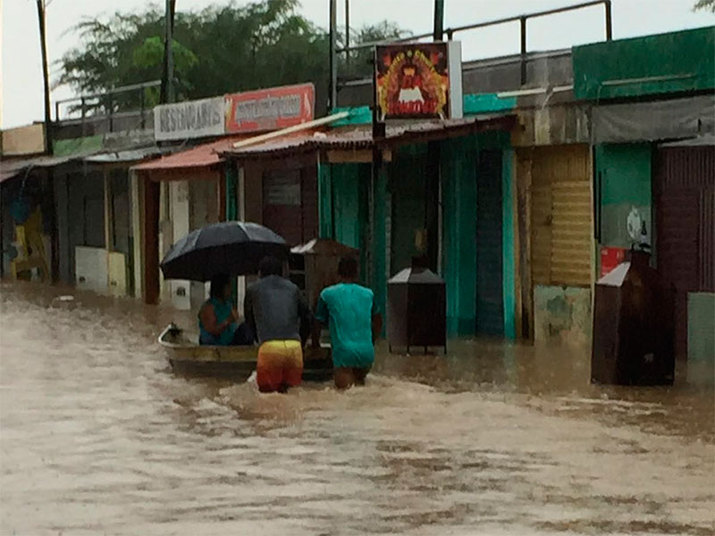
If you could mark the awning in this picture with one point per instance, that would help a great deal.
(13, 168)
(204, 155)
(656, 120)
(701, 141)
(360, 137)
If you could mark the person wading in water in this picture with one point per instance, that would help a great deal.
(348, 309)
(279, 316)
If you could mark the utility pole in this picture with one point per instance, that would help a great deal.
(45, 75)
(438, 20)
(167, 82)
(347, 33)
(333, 90)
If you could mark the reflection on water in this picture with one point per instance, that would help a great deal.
(98, 437)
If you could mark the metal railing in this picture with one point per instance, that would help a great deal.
(522, 19)
(107, 101)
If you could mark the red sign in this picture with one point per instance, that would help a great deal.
(270, 109)
(611, 258)
(413, 81)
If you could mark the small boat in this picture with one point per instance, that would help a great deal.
(189, 358)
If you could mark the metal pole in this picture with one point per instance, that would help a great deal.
(438, 27)
(609, 22)
(522, 22)
(170, 7)
(45, 76)
(333, 98)
(347, 33)
(167, 83)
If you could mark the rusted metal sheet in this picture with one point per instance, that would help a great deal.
(685, 219)
(290, 206)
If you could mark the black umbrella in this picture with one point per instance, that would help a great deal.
(231, 247)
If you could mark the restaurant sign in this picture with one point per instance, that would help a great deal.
(191, 119)
(270, 109)
(419, 80)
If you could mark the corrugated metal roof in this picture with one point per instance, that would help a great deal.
(204, 155)
(12, 168)
(360, 137)
(131, 155)
(700, 141)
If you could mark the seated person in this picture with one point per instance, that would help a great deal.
(218, 319)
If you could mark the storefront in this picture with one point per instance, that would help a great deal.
(684, 192)
(175, 195)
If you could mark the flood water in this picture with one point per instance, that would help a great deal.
(98, 437)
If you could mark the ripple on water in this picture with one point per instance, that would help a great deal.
(98, 437)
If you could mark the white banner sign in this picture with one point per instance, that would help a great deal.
(192, 119)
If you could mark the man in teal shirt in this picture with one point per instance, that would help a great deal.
(348, 309)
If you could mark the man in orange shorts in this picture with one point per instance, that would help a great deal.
(279, 316)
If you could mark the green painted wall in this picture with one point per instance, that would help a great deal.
(473, 104)
(459, 254)
(623, 184)
(348, 203)
(359, 115)
(325, 211)
(487, 102)
(680, 61)
(508, 262)
(72, 146)
(701, 337)
(231, 193)
(343, 209)
(379, 261)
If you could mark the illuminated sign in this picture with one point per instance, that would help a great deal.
(419, 80)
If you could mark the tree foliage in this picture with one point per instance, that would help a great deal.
(221, 49)
(705, 5)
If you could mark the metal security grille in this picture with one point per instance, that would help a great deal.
(685, 232)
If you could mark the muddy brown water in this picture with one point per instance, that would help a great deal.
(97, 436)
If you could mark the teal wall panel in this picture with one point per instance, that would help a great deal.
(231, 193)
(459, 200)
(508, 263)
(325, 209)
(487, 103)
(343, 190)
(379, 268)
(623, 184)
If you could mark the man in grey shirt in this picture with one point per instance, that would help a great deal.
(281, 320)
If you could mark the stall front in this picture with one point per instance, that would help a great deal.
(174, 195)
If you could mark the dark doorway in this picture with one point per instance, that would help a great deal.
(151, 241)
(490, 299)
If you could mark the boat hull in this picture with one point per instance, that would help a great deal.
(232, 362)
